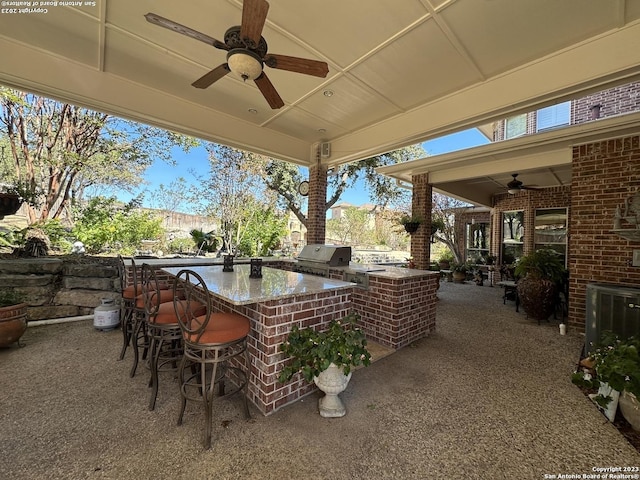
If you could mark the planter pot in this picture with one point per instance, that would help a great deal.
(13, 323)
(332, 381)
(444, 265)
(630, 408)
(411, 227)
(9, 204)
(459, 277)
(537, 297)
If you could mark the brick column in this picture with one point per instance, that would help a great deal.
(421, 206)
(316, 213)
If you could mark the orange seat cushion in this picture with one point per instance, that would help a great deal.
(130, 291)
(167, 313)
(165, 296)
(222, 328)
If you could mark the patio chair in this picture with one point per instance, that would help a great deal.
(163, 330)
(130, 290)
(139, 331)
(213, 345)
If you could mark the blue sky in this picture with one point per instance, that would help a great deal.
(196, 159)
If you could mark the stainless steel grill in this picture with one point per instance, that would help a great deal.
(317, 259)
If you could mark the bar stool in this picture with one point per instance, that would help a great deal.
(163, 330)
(130, 290)
(148, 292)
(210, 342)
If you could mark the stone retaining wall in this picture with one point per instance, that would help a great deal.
(61, 287)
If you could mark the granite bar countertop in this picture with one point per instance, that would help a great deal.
(237, 288)
(384, 271)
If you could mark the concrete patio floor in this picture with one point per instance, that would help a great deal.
(488, 396)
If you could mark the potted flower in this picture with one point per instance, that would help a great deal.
(13, 317)
(616, 363)
(445, 260)
(541, 274)
(410, 223)
(326, 358)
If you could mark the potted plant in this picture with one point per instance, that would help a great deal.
(410, 223)
(13, 317)
(326, 358)
(541, 274)
(616, 363)
(444, 261)
(459, 272)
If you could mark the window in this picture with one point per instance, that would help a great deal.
(515, 126)
(551, 230)
(512, 235)
(553, 116)
(477, 241)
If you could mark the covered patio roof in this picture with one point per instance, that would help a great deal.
(400, 72)
(542, 160)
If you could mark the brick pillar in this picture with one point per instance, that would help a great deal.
(421, 206)
(317, 213)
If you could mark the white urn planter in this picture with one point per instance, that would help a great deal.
(332, 382)
(630, 408)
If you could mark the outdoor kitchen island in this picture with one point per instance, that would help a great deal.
(274, 304)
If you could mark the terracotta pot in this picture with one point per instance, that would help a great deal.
(459, 277)
(13, 323)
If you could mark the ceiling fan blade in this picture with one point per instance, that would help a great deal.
(189, 32)
(269, 91)
(254, 14)
(298, 65)
(211, 77)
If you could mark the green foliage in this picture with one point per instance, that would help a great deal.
(544, 264)
(342, 344)
(103, 225)
(59, 236)
(205, 242)
(180, 245)
(264, 229)
(617, 363)
(353, 227)
(460, 267)
(446, 256)
(10, 297)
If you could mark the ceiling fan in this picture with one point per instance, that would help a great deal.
(515, 185)
(246, 52)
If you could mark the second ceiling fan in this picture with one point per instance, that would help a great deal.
(247, 52)
(515, 185)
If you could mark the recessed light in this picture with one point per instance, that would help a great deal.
(253, 111)
(328, 93)
(322, 130)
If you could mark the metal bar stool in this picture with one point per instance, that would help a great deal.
(163, 330)
(210, 342)
(139, 337)
(130, 290)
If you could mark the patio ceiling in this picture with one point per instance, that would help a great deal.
(543, 160)
(401, 71)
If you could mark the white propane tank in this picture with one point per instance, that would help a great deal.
(107, 315)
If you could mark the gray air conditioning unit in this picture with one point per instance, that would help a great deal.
(611, 308)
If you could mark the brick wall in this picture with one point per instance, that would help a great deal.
(614, 101)
(421, 206)
(316, 216)
(605, 174)
(529, 201)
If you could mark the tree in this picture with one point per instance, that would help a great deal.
(231, 191)
(352, 227)
(57, 150)
(265, 229)
(443, 211)
(104, 224)
(284, 178)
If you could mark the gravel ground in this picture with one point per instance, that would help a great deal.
(487, 396)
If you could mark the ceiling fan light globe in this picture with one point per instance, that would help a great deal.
(244, 64)
(513, 191)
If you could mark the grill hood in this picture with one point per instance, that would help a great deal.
(325, 255)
